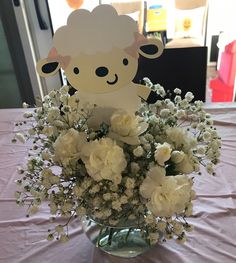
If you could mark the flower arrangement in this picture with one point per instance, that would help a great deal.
(133, 168)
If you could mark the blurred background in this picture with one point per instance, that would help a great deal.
(189, 29)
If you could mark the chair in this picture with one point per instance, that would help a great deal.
(223, 87)
(186, 23)
(133, 8)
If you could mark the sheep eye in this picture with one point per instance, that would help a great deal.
(125, 61)
(76, 70)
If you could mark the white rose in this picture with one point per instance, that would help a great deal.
(68, 146)
(104, 159)
(126, 127)
(162, 153)
(167, 195)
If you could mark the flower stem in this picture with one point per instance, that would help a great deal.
(110, 236)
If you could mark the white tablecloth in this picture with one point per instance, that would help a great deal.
(213, 239)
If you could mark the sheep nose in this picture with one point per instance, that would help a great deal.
(101, 71)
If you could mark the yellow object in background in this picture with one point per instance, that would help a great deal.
(187, 23)
(156, 19)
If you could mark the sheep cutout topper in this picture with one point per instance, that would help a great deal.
(98, 52)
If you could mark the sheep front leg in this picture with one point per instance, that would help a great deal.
(147, 94)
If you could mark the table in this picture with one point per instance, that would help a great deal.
(23, 240)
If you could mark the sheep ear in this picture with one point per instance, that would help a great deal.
(46, 68)
(153, 48)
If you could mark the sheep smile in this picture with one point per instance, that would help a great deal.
(114, 81)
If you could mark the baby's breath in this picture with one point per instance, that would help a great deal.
(135, 168)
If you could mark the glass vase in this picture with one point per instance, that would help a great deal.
(123, 241)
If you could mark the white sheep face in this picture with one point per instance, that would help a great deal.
(101, 72)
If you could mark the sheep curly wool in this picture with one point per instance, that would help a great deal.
(92, 32)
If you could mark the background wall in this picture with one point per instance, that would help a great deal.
(221, 18)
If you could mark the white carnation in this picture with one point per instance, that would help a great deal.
(148, 186)
(186, 166)
(126, 127)
(181, 139)
(68, 146)
(104, 159)
(162, 153)
(167, 195)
